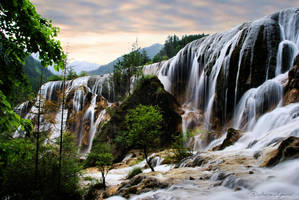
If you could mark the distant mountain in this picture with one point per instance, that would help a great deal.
(79, 66)
(33, 70)
(108, 68)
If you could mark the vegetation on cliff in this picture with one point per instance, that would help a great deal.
(173, 44)
(149, 91)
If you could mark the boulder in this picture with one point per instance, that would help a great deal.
(140, 184)
(232, 136)
(288, 149)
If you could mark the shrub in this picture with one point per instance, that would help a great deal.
(134, 172)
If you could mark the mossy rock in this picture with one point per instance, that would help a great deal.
(149, 91)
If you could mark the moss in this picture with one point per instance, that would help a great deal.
(134, 172)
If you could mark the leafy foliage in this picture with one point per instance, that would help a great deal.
(102, 157)
(126, 68)
(149, 91)
(179, 147)
(17, 170)
(144, 124)
(33, 70)
(22, 31)
(9, 120)
(55, 78)
(26, 31)
(71, 74)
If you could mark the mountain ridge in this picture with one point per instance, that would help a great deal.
(108, 68)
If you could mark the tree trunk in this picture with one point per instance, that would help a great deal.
(103, 179)
(61, 130)
(38, 133)
(147, 161)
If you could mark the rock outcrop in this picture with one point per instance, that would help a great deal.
(232, 136)
(140, 184)
(292, 88)
(150, 91)
(288, 149)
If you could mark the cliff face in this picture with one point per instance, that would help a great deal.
(235, 72)
(148, 92)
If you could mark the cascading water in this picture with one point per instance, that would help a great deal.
(82, 115)
(225, 69)
(269, 94)
(209, 76)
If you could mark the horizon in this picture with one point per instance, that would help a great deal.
(99, 32)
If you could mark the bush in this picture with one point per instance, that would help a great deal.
(180, 151)
(134, 172)
(17, 170)
(55, 78)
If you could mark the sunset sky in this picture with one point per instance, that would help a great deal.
(99, 31)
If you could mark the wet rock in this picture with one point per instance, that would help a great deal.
(193, 161)
(218, 183)
(94, 192)
(257, 154)
(288, 149)
(233, 181)
(292, 88)
(197, 161)
(155, 161)
(140, 184)
(218, 176)
(232, 136)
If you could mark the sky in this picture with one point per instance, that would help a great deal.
(98, 31)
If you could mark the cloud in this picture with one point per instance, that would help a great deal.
(112, 19)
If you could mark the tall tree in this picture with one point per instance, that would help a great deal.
(144, 124)
(173, 44)
(126, 68)
(61, 125)
(37, 134)
(102, 157)
(22, 32)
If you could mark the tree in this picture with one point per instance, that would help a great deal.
(17, 169)
(22, 32)
(101, 156)
(83, 73)
(173, 45)
(71, 74)
(61, 127)
(126, 68)
(144, 124)
(179, 147)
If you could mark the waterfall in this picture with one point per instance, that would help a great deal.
(81, 107)
(232, 77)
(269, 94)
(235, 76)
